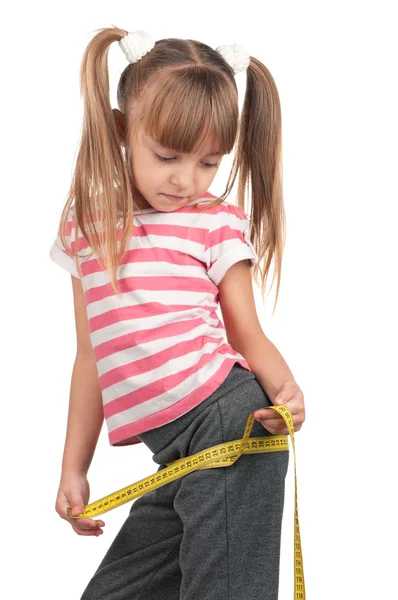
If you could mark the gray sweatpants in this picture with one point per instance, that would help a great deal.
(213, 534)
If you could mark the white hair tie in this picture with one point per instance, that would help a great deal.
(135, 44)
(236, 56)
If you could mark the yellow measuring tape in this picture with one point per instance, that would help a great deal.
(222, 455)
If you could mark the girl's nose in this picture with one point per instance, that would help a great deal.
(182, 178)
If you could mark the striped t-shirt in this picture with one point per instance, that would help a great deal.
(161, 349)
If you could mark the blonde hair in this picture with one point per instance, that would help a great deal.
(178, 92)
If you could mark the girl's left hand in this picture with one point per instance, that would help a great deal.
(292, 397)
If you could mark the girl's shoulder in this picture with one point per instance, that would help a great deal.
(228, 213)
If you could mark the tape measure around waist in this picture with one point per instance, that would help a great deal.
(221, 455)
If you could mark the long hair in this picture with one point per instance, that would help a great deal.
(178, 92)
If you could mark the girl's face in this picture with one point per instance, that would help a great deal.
(159, 171)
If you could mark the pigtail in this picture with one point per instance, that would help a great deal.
(101, 184)
(259, 156)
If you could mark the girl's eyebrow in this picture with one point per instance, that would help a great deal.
(216, 153)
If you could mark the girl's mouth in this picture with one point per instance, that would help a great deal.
(174, 198)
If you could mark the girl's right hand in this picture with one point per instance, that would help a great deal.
(74, 491)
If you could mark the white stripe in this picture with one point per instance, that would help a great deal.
(128, 326)
(147, 350)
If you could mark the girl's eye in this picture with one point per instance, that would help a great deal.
(163, 159)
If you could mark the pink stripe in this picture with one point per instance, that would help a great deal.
(160, 386)
(148, 283)
(221, 234)
(141, 311)
(154, 361)
(184, 232)
(143, 255)
(123, 433)
(144, 336)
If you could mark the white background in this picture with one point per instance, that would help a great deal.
(335, 66)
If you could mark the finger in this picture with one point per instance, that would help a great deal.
(276, 429)
(267, 414)
(88, 523)
(95, 532)
(93, 527)
(76, 504)
(271, 414)
(280, 425)
(85, 524)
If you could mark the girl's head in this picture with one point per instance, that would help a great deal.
(158, 169)
(178, 102)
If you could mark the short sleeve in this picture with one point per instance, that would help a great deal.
(228, 242)
(59, 254)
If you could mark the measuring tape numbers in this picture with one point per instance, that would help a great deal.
(221, 455)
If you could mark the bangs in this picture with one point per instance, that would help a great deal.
(180, 108)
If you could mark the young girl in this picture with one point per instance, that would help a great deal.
(152, 253)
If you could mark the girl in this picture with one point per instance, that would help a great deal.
(151, 253)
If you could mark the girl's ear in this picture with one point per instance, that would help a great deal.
(120, 121)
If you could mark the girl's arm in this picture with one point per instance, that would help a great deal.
(86, 415)
(267, 363)
(244, 331)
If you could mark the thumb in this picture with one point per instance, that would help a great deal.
(279, 400)
(77, 506)
(77, 509)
